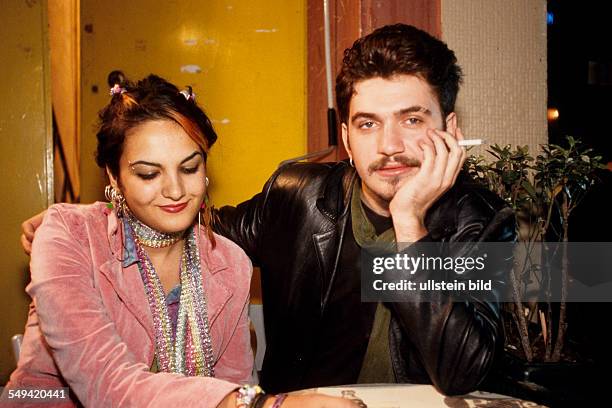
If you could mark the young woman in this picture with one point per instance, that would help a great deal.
(138, 303)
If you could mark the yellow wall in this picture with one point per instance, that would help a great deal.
(251, 81)
(26, 173)
(251, 57)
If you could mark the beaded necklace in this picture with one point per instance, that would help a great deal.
(151, 237)
(189, 352)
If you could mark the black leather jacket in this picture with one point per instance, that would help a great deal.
(294, 230)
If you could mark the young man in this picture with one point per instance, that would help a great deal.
(396, 93)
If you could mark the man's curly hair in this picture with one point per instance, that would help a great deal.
(396, 50)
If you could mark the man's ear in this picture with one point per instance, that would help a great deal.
(451, 123)
(345, 140)
(113, 181)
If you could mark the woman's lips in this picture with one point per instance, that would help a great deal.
(174, 208)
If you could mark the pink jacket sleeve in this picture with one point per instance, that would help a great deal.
(230, 367)
(89, 353)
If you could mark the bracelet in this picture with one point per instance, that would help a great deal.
(246, 395)
(279, 400)
(260, 400)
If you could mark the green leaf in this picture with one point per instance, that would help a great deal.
(528, 187)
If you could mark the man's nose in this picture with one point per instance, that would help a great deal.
(390, 141)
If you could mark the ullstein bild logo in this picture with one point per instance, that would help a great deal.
(433, 285)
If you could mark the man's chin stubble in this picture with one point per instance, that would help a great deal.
(387, 194)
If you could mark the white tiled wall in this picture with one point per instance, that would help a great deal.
(501, 46)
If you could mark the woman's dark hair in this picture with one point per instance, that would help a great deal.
(152, 98)
(395, 50)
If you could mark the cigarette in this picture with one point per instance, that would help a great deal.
(471, 142)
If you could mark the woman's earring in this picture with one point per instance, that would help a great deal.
(202, 207)
(116, 199)
(351, 162)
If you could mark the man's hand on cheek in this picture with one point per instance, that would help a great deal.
(442, 161)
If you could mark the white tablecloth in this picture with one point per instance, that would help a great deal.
(412, 395)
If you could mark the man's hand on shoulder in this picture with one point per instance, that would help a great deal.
(442, 162)
(28, 229)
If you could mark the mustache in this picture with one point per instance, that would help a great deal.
(384, 161)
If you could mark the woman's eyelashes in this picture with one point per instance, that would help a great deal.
(147, 176)
(190, 170)
(154, 174)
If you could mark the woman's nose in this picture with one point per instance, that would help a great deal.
(173, 188)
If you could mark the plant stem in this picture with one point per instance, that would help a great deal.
(522, 324)
(556, 356)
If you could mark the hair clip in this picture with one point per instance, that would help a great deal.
(188, 94)
(116, 89)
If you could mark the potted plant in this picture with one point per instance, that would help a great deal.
(543, 192)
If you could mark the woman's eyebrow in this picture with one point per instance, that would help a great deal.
(147, 163)
(191, 156)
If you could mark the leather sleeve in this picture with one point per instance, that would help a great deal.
(452, 343)
(243, 223)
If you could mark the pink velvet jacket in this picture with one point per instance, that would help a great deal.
(90, 326)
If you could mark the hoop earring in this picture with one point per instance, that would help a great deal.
(207, 181)
(351, 162)
(116, 199)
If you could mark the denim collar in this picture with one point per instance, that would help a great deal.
(129, 255)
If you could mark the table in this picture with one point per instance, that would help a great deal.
(413, 395)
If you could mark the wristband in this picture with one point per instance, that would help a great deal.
(260, 400)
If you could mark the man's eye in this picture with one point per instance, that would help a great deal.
(367, 125)
(190, 170)
(414, 121)
(147, 176)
